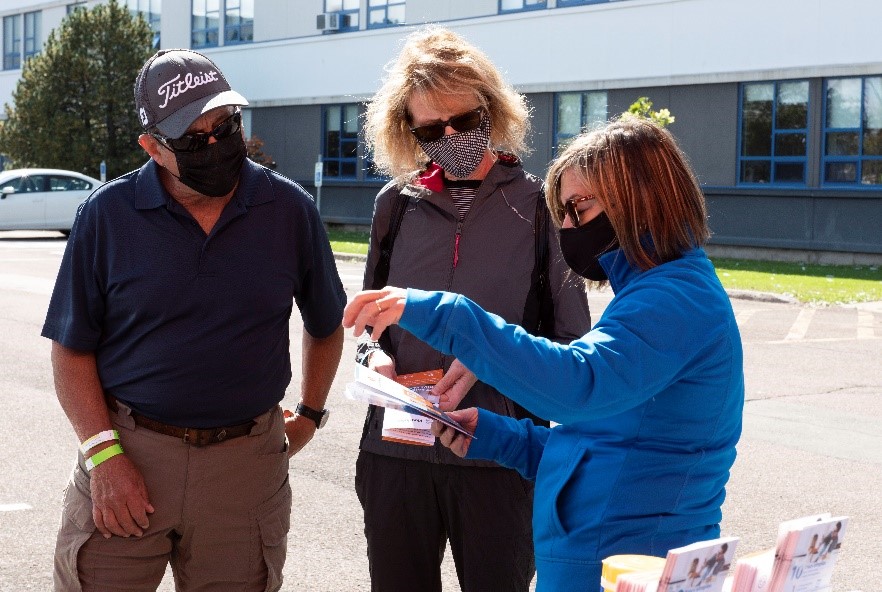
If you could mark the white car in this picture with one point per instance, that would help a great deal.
(42, 199)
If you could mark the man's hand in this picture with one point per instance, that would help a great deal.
(457, 442)
(454, 386)
(119, 498)
(299, 430)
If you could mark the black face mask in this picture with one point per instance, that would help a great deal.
(583, 246)
(213, 170)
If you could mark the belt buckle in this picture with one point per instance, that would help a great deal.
(199, 438)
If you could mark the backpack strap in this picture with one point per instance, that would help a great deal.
(538, 316)
(381, 271)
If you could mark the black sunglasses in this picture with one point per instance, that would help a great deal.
(464, 122)
(571, 211)
(194, 142)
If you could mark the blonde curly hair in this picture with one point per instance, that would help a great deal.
(436, 63)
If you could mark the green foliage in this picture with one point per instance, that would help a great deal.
(74, 104)
(642, 107)
(254, 147)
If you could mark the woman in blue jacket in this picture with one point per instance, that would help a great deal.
(648, 402)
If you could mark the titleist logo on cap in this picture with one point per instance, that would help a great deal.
(177, 87)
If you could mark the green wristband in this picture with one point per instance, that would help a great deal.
(100, 457)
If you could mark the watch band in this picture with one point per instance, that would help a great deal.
(319, 417)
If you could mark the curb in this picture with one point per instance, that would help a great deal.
(762, 296)
(350, 257)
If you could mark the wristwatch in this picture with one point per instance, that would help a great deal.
(319, 417)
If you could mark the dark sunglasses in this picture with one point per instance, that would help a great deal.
(194, 142)
(464, 122)
(571, 211)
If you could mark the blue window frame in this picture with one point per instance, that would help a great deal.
(385, 13)
(205, 23)
(565, 3)
(348, 11)
(852, 138)
(340, 141)
(32, 43)
(12, 42)
(239, 22)
(151, 10)
(520, 5)
(773, 137)
(576, 111)
(344, 156)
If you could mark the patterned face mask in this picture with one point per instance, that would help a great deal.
(459, 154)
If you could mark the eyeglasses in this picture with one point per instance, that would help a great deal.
(194, 142)
(464, 122)
(571, 210)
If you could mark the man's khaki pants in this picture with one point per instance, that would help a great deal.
(222, 514)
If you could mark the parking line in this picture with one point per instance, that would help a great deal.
(800, 325)
(865, 325)
(14, 507)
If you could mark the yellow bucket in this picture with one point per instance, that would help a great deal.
(619, 564)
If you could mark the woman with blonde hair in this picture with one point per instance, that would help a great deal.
(460, 214)
(648, 402)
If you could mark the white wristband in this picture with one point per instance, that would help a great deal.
(97, 439)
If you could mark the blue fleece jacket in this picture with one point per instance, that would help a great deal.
(649, 404)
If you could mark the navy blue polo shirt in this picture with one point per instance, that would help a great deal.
(189, 329)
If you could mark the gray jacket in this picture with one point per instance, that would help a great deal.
(495, 258)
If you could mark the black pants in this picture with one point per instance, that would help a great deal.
(411, 508)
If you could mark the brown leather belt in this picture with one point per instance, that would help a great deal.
(194, 436)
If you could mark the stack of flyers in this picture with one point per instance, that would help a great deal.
(375, 389)
(806, 553)
(699, 567)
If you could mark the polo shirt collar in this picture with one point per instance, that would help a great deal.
(254, 186)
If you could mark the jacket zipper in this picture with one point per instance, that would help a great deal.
(456, 245)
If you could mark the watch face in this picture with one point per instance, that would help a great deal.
(324, 418)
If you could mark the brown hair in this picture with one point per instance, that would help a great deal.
(438, 63)
(644, 183)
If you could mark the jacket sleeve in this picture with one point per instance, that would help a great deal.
(514, 444)
(625, 360)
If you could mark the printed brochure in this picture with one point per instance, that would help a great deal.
(375, 389)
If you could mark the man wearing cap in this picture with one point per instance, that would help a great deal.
(170, 330)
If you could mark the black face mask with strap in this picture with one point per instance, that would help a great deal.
(213, 170)
(583, 246)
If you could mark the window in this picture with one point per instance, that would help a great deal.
(62, 183)
(852, 141)
(565, 3)
(12, 42)
(239, 22)
(348, 11)
(343, 154)
(518, 5)
(152, 12)
(32, 43)
(385, 13)
(773, 145)
(205, 23)
(340, 150)
(75, 6)
(574, 111)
